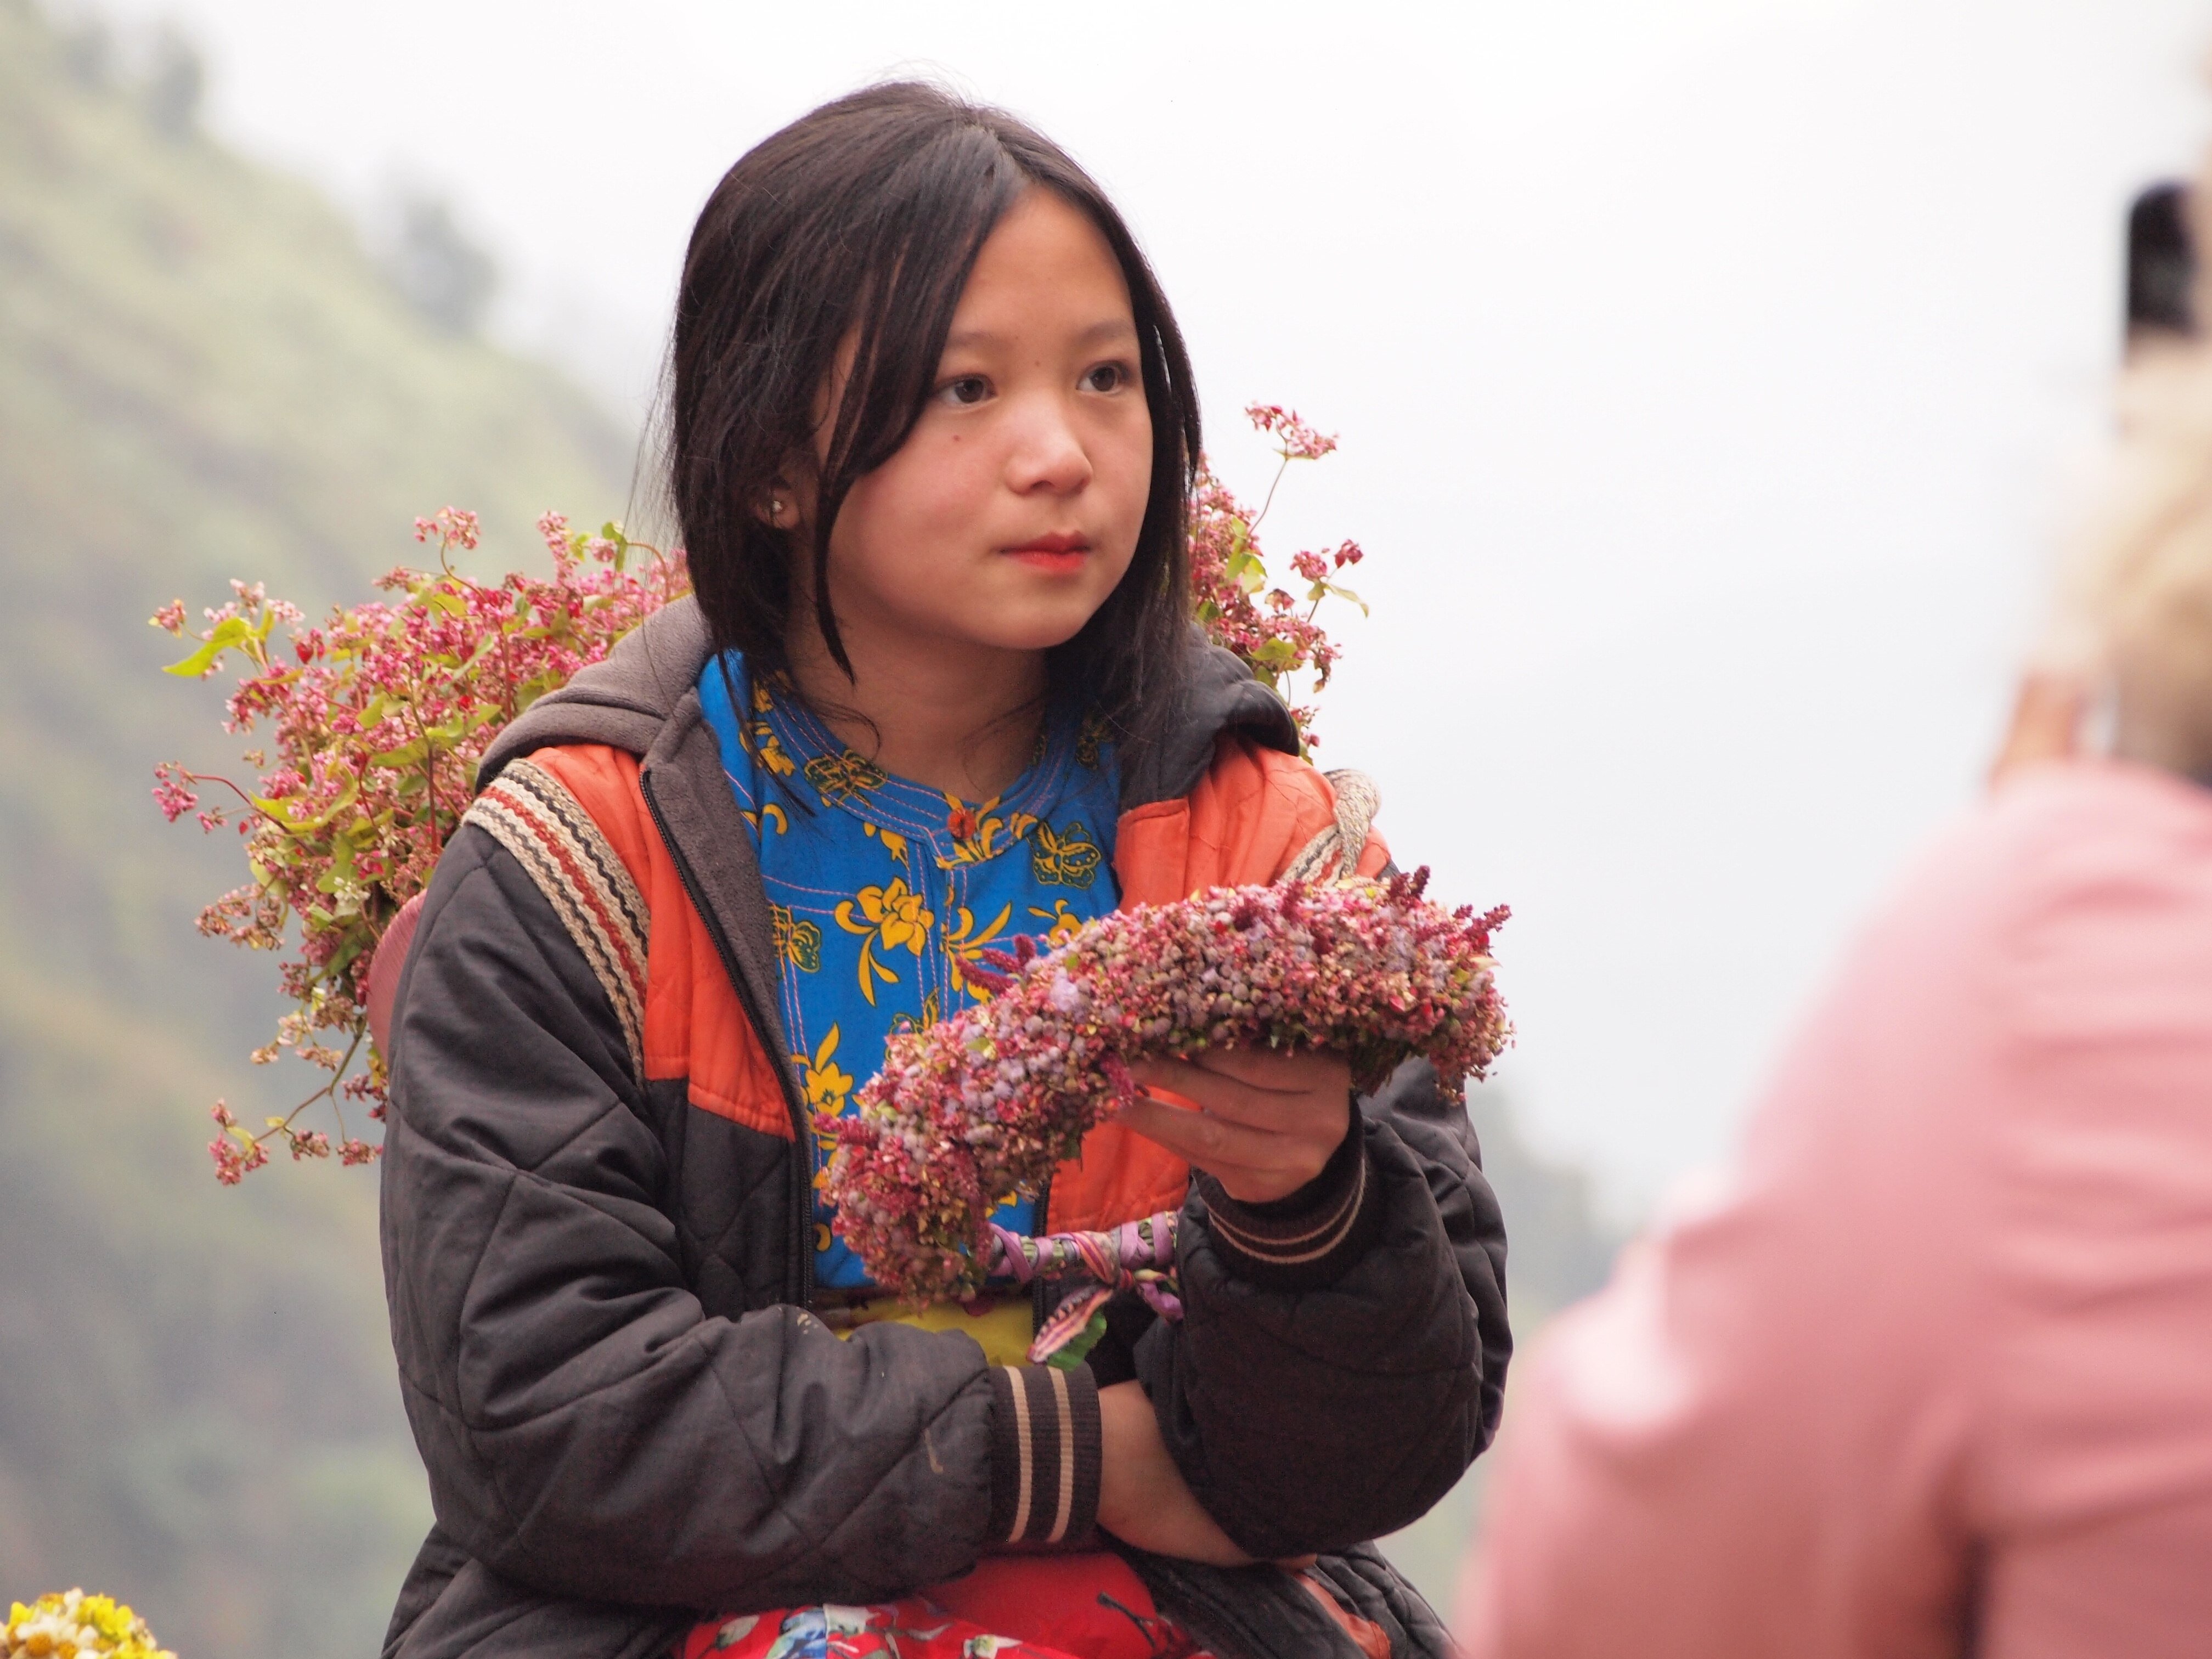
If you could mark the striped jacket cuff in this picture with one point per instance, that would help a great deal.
(1308, 1239)
(1045, 1454)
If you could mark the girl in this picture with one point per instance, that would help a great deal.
(932, 442)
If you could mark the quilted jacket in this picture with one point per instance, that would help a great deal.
(597, 1239)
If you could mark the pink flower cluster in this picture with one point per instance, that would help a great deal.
(1297, 441)
(379, 717)
(1270, 628)
(969, 1111)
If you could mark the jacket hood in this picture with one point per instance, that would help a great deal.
(626, 700)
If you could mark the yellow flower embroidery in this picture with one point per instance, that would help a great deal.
(761, 701)
(976, 831)
(894, 843)
(826, 1083)
(905, 1023)
(890, 915)
(773, 814)
(767, 749)
(963, 944)
(1060, 923)
(838, 777)
(827, 1086)
(799, 942)
(1087, 740)
(1066, 857)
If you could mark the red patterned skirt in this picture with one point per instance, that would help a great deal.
(1061, 1607)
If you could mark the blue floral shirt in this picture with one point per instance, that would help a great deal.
(883, 892)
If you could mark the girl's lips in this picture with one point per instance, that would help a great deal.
(1058, 554)
(1061, 564)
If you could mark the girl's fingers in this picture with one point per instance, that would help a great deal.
(1218, 1093)
(1288, 1070)
(1213, 1144)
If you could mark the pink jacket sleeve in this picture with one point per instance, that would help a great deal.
(1937, 1354)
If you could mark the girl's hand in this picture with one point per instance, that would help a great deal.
(1142, 1498)
(1266, 1121)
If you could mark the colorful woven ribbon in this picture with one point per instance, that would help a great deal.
(1137, 1255)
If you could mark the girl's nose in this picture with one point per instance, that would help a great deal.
(1049, 452)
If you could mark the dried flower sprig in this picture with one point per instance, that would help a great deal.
(969, 1111)
(1230, 585)
(379, 716)
(79, 1624)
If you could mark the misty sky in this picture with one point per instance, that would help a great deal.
(1711, 377)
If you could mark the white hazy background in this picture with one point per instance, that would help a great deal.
(1711, 377)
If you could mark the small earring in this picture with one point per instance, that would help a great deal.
(774, 510)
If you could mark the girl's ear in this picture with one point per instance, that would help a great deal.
(784, 505)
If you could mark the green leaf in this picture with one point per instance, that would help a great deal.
(357, 940)
(405, 758)
(281, 810)
(229, 632)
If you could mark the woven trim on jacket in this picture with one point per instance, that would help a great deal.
(1047, 1455)
(530, 812)
(1334, 853)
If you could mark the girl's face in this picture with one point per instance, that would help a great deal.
(1012, 509)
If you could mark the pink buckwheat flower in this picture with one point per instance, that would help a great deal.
(975, 1108)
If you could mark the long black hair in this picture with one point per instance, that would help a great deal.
(860, 223)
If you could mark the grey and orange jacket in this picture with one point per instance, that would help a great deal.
(597, 1239)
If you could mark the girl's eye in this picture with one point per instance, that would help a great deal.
(1107, 377)
(966, 392)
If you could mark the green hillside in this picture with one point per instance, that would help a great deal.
(202, 376)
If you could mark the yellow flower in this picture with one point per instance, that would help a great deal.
(767, 749)
(976, 830)
(1066, 857)
(827, 1084)
(799, 942)
(894, 843)
(773, 813)
(890, 915)
(1087, 741)
(1061, 923)
(80, 1624)
(837, 777)
(903, 1024)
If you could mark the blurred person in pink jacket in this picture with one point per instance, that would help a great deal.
(1929, 1371)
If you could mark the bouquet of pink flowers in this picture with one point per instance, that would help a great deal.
(969, 1111)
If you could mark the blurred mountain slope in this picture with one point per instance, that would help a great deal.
(201, 375)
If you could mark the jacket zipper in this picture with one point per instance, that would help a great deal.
(800, 1279)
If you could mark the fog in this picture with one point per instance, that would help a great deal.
(1713, 379)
